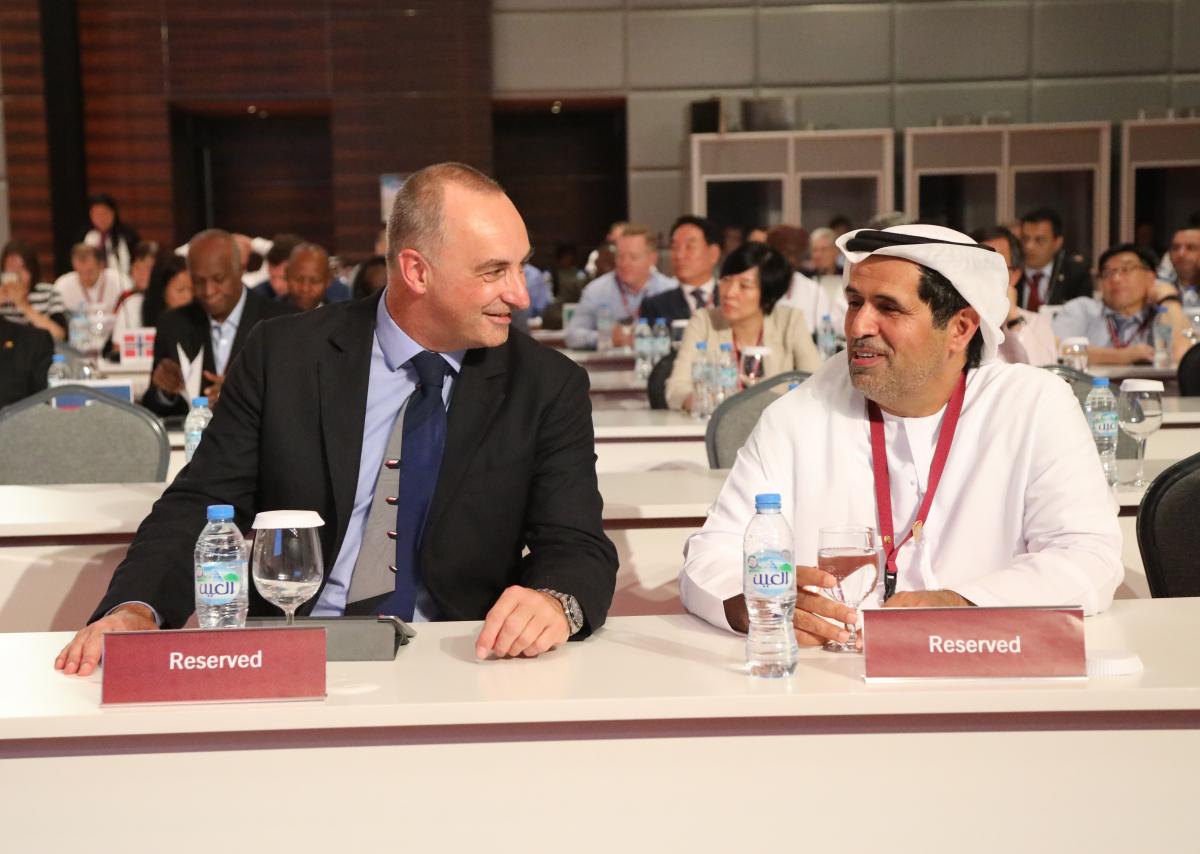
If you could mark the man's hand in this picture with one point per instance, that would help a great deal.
(1161, 290)
(82, 655)
(168, 377)
(1138, 353)
(213, 390)
(811, 629)
(522, 622)
(927, 599)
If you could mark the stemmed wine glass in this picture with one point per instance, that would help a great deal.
(286, 559)
(1139, 413)
(851, 555)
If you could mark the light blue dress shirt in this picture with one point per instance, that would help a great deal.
(537, 283)
(391, 383)
(223, 334)
(1087, 317)
(606, 293)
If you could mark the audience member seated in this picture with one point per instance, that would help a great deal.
(1119, 325)
(129, 307)
(145, 256)
(756, 235)
(24, 298)
(308, 276)
(610, 240)
(753, 279)
(370, 277)
(89, 283)
(210, 331)
(1022, 514)
(25, 354)
(275, 286)
(490, 510)
(1028, 336)
(1184, 255)
(619, 294)
(114, 239)
(170, 287)
(820, 292)
(1051, 276)
(695, 251)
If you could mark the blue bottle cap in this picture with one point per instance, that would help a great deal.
(1099, 382)
(220, 512)
(701, 345)
(199, 401)
(725, 345)
(58, 357)
(660, 321)
(767, 501)
(644, 320)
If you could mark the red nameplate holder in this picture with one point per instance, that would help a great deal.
(973, 643)
(213, 665)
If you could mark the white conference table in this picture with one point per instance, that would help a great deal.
(636, 739)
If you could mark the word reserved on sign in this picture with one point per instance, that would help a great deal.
(214, 665)
(902, 643)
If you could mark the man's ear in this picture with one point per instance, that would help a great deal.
(414, 271)
(962, 329)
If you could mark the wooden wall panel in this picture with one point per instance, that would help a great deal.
(21, 87)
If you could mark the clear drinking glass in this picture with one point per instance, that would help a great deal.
(286, 559)
(853, 556)
(1139, 413)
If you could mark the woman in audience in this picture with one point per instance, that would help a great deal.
(170, 287)
(369, 278)
(113, 238)
(130, 305)
(24, 299)
(753, 278)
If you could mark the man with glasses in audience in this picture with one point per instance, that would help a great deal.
(1120, 325)
(1052, 277)
(452, 462)
(1028, 336)
(695, 251)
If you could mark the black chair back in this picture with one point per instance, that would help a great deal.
(656, 386)
(1167, 533)
(1189, 373)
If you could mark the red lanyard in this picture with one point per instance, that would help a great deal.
(629, 313)
(883, 484)
(1115, 337)
(737, 355)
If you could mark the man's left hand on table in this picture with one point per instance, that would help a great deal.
(523, 622)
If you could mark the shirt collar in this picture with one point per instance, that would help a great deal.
(397, 347)
(1045, 271)
(235, 316)
(708, 287)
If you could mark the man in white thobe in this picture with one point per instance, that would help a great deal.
(1022, 514)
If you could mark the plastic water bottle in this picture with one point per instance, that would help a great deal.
(193, 426)
(769, 585)
(59, 372)
(826, 337)
(701, 393)
(662, 341)
(1101, 409)
(604, 328)
(222, 598)
(79, 333)
(725, 375)
(1163, 336)
(643, 348)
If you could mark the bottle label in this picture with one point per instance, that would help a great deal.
(1104, 424)
(219, 583)
(770, 573)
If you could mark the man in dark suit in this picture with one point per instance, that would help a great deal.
(216, 324)
(310, 415)
(695, 250)
(25, 354)
(1052, 277)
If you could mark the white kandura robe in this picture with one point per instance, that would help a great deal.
(1023, 515)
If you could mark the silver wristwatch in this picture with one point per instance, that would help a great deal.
(570, 606)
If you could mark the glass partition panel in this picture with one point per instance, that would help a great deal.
(823, 198)
(1069, 192)
(1164, 199)
(962, 202)
(750, 203)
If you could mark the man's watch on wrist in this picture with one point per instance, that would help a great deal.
(571, 609)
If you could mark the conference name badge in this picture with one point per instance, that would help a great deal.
(973, 643)
(213, 665)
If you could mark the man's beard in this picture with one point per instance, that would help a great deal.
(888, 385)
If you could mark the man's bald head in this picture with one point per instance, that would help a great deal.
(417, 214)
(308, 275)
(215, 266)
(215, 240)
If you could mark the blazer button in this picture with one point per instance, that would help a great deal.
(392, 464)
(391, 535)
(392, 567)
(392, 500)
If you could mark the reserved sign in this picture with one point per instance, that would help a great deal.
(214, 665)
(902, 643)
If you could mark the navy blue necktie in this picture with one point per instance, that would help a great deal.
(420, 459)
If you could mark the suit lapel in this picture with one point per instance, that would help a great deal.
(478, 393)
(343, 373)
(251, 314)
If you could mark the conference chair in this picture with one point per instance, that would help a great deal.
(1168, 537)
(731, 423)
(1189, 373)
(656, 386)
(98, 439)
(1081, 384)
